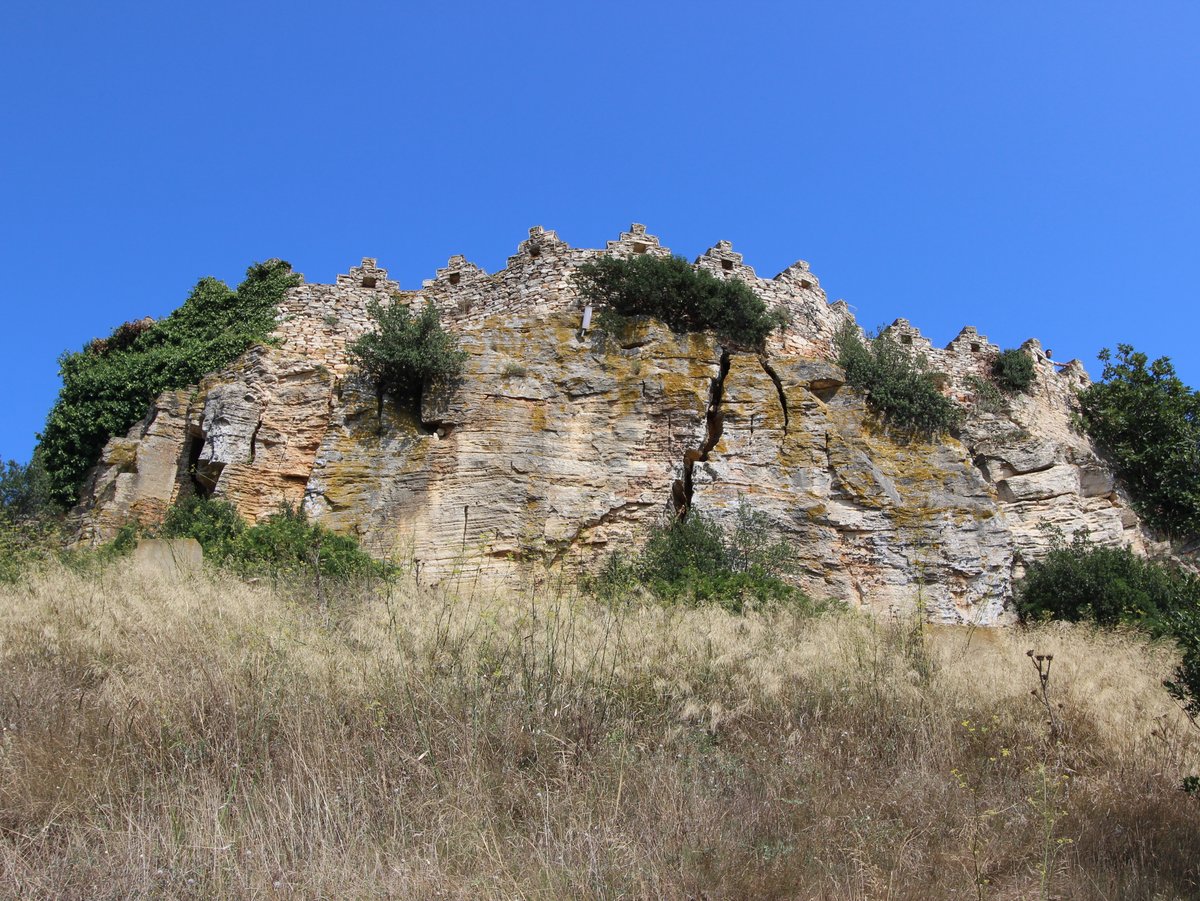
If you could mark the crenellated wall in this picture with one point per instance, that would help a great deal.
(320, 320)
(558, 445)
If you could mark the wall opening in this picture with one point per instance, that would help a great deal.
(974, 348)
(455, 278)
(640, 248)
(805, 284)
(535, 252)
(727, 265)
(368, 281)
(906, 339)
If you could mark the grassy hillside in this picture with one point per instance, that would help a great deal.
(219, 740)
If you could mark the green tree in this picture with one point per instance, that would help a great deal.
(1110, 586)
(686, 299)
(405, 352)
(1184, 687)
(1147, 422)
(899, 386)
(109, 385)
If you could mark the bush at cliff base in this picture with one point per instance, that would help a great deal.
(693, 560)
(1147, 423)
(900, 388)
(285, 543)
(686, 299)
(1107, 585)
(109, 385)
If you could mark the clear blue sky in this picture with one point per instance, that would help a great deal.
(1031, 168)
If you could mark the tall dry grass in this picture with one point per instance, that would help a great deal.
(208, 739)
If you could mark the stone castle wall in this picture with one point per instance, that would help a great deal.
(557, 447)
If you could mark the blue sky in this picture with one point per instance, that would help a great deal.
(1030, 168)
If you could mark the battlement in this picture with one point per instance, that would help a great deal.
(970, 341)
(801, 276)
(367, 277)
(636, 242)
(722, 260)
(905, 333)
(322, 320)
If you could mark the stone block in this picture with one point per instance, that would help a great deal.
(171, 557)
(1052, 482)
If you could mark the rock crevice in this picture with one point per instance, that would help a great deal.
(714, 426)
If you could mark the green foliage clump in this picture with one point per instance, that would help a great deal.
(281, 545)
(899, 386)
(1013, 371)
(693, 560)
(684, 298)
(108, 386)
(30, 533)
(1083, 581)
(1147, 421)
(405, 352)
(29, 543)
(216, 524)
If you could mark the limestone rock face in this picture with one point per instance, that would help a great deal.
(558, 446)
(135, 481)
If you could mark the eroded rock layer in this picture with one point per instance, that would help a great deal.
(559, 445)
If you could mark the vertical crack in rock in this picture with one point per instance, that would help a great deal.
(195, 444)
(714, 425)
(778, 390)
(254, 439)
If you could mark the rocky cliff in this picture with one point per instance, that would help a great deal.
(559, 445)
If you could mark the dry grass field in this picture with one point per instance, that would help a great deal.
(203, 738)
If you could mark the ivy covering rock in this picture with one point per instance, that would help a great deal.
(109, 385)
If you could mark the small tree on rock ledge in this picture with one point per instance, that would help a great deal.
(685, 298)
(405, 352)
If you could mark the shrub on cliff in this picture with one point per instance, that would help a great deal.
(109, 385)
(405, 352)
(684, 298)
(899, 386)
(1147, 422)
(214, 523)
(1013, 371)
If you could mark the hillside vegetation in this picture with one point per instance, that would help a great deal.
(212, 739)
